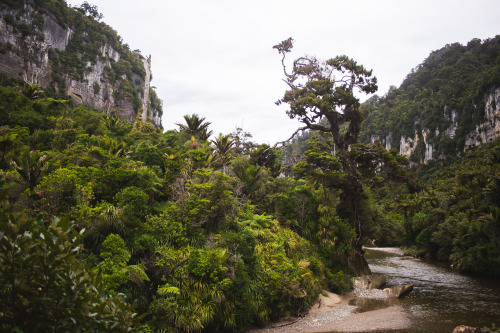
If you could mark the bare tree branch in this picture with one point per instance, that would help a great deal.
(290, 138)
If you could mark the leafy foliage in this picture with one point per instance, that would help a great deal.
(199, 236)
(44, 287)
(212, 235)
(454, 218)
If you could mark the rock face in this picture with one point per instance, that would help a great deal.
(422, 142)
(368, 287)
(489, 130)
(37, 47)
(399, 291)
(370, 281)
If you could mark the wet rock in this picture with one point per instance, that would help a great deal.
(370, 281)
(361, 293)
(468, 329)
(399, 291)
(328, 302)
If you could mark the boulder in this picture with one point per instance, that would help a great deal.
(326, 303)
(399, 291)
(370, 281)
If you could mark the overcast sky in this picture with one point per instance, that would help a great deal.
(215, 58)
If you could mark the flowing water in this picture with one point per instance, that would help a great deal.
(441, 299)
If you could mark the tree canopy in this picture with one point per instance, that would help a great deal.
(321, 94)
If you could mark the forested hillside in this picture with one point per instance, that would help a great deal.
(449, 210)
(454, 218)
(185, 229)
(448, 103)
(107, 223)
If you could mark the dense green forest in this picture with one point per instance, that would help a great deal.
(455, 217)
(184, 231)
(113, 226)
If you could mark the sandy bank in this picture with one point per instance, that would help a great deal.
(391, 318)
(334, 314)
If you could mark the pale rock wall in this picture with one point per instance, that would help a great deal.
(82, 91)
(56, 36)
(109, 52)
(485, 132)
(373, 138)
(453, 117)
(384, 140)
(490, 129)
(407, 145)
(14, 65)
(147, 80)
(388, 141)
(428, 146)
(156, 117)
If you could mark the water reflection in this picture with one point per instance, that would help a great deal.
(442, 299)
(367, 304)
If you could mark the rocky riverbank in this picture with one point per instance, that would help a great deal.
(351, 312)
(335, 313)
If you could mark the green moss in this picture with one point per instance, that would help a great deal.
(96, 87)
(8, 18)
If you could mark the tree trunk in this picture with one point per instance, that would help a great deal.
(358, 265)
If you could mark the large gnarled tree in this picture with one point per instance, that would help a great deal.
(325, 90)
(321, 96)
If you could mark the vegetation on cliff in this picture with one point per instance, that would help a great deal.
(451, 80)
(80, 49)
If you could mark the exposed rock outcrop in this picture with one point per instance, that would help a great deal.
(368, 287)
(374, 281)
(399, 291)
(419, 148)
(489, 130)
(385, 140)
(34, 53)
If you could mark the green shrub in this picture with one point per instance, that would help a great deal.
(45, 288)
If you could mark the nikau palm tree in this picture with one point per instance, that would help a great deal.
(223, 147)
(195, 126)
(29, 166)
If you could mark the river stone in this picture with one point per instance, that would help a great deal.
(370, 281)
(399, 291)
(330, 301)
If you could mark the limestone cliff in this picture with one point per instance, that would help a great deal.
(420, 147)
(445, 106)
(74, 55)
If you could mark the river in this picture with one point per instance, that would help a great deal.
(441, 299)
